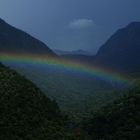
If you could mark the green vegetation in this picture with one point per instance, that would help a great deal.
(76, 94)
(117, 121)
(26, 113)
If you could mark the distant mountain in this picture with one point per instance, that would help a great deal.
(15, 40)
(76, 55)
(74, 52)
(122, 50)
(79, 58)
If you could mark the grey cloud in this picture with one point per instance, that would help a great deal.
(81, 23)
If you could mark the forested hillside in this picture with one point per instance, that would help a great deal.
(26, 113)
(75, 94)
(117, 121)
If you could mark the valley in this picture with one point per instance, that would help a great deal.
(72, 96)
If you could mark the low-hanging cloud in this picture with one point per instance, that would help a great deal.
(81, 23)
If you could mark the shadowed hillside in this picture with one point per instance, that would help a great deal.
(15, 40)
(117, 121)
(122, 50)
(25, 112)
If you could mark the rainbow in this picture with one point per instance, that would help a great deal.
(94, 71)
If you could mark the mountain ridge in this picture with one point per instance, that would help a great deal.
(73, 52)
(121, 51)
(16, 40)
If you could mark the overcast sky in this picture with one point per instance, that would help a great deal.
(70, 24)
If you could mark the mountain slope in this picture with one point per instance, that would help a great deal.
(15, 40)
(117, 121)
(122, 50)
(25, 112)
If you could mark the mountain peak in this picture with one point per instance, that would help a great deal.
(15, 40)
(133, 27)
(2, 21)
(134, 24)
(122, 50)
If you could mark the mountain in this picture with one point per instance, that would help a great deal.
(79, 58)
(122, 50)
(15, 40)
(76, 55)
(119, 120)
(26, 112)
(74, 52)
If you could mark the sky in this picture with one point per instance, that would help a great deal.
(70, 24)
